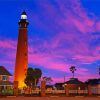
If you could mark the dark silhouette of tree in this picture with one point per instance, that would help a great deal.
(37, 75)
(73, 69)
(32, 77)
(92, 81)
(29, 80)
(47, 79)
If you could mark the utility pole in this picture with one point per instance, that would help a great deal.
(64, 78)
(99, 70)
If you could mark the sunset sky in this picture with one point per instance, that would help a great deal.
(61, 33)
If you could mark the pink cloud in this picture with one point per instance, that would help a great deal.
(97, 26)
(5, 62)
(77, 18)
(85, 78)
(8, 44)
(87, 59)
(57, 80)
(80, 77)
(72, 40)
(46, 61)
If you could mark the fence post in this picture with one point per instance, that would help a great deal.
(15, 88)
(67, 90)
(89, 90)
(43, 88)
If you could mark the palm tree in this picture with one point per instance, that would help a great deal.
(73, 69)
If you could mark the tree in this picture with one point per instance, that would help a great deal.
(73, 69)
(32, 77)
(47, 79)
(37, 75)
(29, 80)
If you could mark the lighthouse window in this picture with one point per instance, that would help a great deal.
(25, 42)
(25, 54)
(25, 25)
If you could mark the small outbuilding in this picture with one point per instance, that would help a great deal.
(75, 86)
(94, 85)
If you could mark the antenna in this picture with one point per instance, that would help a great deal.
(99, 70)
(64, 78)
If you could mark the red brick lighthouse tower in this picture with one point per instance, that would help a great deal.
(21, 64)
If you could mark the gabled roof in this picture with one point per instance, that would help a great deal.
(4, 71)
(24, 13)
(74, 81)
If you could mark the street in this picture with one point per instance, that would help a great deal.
(51, 98)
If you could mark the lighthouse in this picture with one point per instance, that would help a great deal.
(21, 63)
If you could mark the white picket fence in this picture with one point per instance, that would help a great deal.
(47, 91)
(56, 91)
(95, 90)
(78, 91)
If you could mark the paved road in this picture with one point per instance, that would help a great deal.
(51, 98)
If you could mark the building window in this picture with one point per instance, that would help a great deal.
(25, 25)
(25, 43)
(25, 54)
(4, 78)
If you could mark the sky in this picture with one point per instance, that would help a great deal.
(61, 34)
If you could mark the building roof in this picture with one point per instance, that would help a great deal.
(6, 83)
(49, 86)
(4, 71)
(74, 81)
(59, 84)
(24, 13)
(93, 81)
